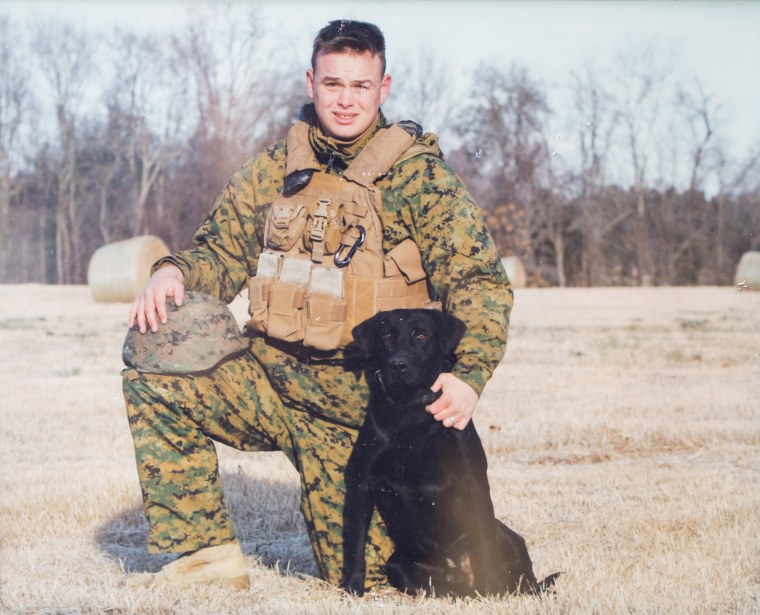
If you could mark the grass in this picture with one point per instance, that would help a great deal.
(623, 434)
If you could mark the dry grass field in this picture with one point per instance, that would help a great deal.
(623, 434)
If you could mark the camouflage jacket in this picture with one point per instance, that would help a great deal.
(423, 199)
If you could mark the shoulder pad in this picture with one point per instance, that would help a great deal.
(413, 128)
(427, 144)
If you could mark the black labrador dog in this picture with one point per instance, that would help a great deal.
(427, 481)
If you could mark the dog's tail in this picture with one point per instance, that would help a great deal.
(547, 583)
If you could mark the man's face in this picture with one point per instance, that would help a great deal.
(347, 90)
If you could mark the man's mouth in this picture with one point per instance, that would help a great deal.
(344, 117)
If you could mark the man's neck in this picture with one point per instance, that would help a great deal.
(340, 151)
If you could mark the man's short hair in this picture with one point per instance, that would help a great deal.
(344, 34)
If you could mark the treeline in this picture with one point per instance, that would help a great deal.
(626, 180)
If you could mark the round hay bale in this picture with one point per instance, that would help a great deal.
(118, 270)
(515, 271)
(748, 271)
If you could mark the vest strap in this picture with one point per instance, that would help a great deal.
(300, 155)
(379, 155)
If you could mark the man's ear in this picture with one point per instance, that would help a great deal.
(450, 331)
(310, 82)
(385, 88)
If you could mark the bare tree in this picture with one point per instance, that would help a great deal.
(506, 129)
(595, 121)
(229, 75)
(640, 82)
(147, 101)
(66, 58)
(421, 92)
(503, 127)
(239, 100)
(735, 180)
(16, 109)
(698, 116)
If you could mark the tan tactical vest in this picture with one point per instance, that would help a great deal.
(323, 270)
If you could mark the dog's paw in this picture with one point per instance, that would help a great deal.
(353, 584)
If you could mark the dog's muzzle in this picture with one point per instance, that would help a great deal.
(425, 398)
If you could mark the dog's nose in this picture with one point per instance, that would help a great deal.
(399, 365)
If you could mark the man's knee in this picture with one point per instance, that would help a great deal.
(152, 399)
(136, 387)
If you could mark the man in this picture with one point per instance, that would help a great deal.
(297, 396)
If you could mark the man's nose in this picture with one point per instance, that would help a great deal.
(346, 97)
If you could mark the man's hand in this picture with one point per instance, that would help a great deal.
(150, 305)
(456, 404)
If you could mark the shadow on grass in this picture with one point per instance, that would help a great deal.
(265, 514)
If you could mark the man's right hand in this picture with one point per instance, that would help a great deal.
(150, 305)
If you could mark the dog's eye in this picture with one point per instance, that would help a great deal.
(420, 335)
(386, 335)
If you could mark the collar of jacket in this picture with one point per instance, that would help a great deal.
(335, 153)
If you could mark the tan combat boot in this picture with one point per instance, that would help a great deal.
(223, 564)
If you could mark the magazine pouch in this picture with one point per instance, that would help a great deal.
(287, 300)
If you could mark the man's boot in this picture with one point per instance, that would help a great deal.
(223, 564)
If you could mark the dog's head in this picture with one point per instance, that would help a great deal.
(408, 348)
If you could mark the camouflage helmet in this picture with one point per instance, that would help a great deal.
(195, 338)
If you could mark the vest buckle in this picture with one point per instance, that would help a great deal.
(320, 220)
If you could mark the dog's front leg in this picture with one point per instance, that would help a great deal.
(357, 515)
(486, 551)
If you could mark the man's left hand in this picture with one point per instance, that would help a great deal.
(456, 404)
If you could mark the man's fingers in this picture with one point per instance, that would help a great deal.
(455, 406)
(141, 324)
(149, 308)
(439, 405)
(447, 418)
(159, 308)
(455, 421)
(179, 295)
(461, 424)
(133, 314)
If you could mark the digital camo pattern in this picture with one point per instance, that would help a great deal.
(173, 421)
(196, 337)
(423, 199)
(271, 399)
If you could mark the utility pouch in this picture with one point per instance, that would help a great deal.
(393, 293)
(287, 301)
(258, 291)
(284, 226)
(325, 309)
(324, 325)
(258, 308)
(405, 259)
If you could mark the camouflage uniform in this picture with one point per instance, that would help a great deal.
(278, 398)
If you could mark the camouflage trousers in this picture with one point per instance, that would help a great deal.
(256, 402)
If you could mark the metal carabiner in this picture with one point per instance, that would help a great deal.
(342, 262)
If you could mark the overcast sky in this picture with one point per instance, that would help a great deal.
(717, 42)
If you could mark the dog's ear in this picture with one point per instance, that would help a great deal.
(450, 330)
(363, 334)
